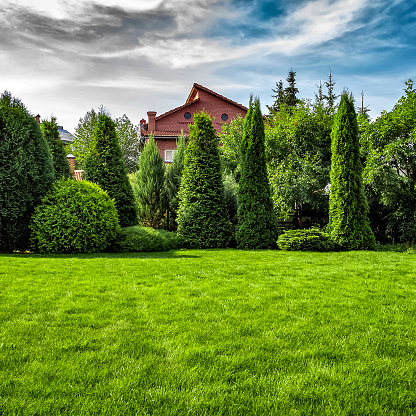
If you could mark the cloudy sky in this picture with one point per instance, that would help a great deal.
(64, 57)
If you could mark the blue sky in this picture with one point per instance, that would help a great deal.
(64, 57)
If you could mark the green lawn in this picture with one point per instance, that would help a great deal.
(208, 332)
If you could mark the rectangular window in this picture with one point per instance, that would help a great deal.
(169, 155)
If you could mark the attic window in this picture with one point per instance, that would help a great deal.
(187, 115)
(224, 117)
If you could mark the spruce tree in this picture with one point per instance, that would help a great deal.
(26, 172)
(348, 207)
(257, 226)
(202, 216)
(290, 92)
(148, 185)
(60, 162)
(105, 166)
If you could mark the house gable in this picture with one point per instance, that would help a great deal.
(168, 126)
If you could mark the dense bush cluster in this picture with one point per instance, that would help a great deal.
(26, 172)
(306, 240)
(74, 217)
(144, 239)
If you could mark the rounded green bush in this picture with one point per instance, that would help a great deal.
(138, 238)
(74, 217)
(306, 240)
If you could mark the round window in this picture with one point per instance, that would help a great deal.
(187, 115)
(224, 117)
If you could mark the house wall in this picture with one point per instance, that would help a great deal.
(214, 106)
(165, 144)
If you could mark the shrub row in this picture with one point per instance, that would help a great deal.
(306, 240)
(144, 239)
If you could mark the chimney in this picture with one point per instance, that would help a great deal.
(37, 118)
(151, 116)
(71, 161)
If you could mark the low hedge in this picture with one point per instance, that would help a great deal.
(145, 239)
(306, 240)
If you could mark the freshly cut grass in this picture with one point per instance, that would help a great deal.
(208, 332)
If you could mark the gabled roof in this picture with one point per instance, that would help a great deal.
(176, 109)
(193, 96)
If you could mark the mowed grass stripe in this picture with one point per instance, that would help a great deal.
(208, 332)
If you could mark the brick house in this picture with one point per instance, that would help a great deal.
(168, 126)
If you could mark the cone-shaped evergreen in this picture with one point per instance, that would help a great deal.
(257, 227)
(148, 185)
(105, 166)
(26, 172)
(60, 162)
(348, 207)
(202, 216)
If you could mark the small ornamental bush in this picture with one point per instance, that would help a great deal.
(306, 240)
(74, 217)
(144, 239)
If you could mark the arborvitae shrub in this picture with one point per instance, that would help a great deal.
(60, 161)
(145, 239)
(202, 216)
(306, 240)
(74, 217)
(348, 208)
(105, 166)
(26, 172)
(257, 227)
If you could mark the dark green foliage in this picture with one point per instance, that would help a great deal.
(348, 208)
(306, 240)
(231, 203)
(26, 172)
(256, 219)
(148, 185)
(60, 162)
(145, 239)
(105, 166)
(291, 91)
(202, 216)
(173, 182)
(74, 217)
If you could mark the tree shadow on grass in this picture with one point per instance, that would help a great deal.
(130, 255)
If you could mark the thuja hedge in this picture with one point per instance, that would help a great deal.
(306, 240)
(145, 239)
(74, 217)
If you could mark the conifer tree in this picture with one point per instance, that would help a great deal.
(330, 97)
(105, 166)
(279, 98)
(148, 185)
(256, 220)
(26, 171)
(291, 91)
(173, 181)
(348, 207)
(202, 216)
(60, 162)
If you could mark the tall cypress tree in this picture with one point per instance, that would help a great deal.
(348, 207)
(105, 166)
(257, 227)
(173, 181)
(148, 185)
(26, 172)
(60, 162)
(202, 216)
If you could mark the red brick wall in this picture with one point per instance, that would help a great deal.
(165, 144)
